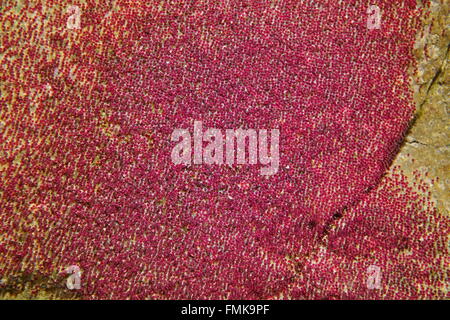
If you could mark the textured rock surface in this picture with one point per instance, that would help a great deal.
(426, 146)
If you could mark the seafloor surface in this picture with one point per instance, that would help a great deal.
(423, 155)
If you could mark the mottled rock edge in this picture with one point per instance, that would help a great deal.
(426, 148)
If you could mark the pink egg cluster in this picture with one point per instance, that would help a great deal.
(88, 179)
